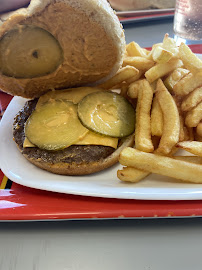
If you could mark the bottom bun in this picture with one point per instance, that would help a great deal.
(74, 160)
(84, 168)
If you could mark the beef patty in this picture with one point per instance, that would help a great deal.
(76, 153)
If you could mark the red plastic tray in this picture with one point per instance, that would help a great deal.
(22, 203)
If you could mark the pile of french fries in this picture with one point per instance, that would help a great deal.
(165, 85)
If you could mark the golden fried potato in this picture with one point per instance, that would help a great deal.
(190, 101)
(179, 169)
(143, 128)
(171, 120)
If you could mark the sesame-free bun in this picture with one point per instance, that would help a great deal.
(89, 33)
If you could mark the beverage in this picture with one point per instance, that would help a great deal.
(188, 19)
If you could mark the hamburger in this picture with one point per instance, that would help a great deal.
(56, 53)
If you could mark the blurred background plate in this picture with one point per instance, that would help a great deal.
(127, 17)
(136, 13)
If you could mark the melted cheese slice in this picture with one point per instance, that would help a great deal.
(97, 139)
(90, 138)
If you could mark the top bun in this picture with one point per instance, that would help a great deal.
(79, 43)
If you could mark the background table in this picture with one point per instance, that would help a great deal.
(96, 245)
(142, 244)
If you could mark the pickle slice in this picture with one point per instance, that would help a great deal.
(55, 126)
(107, 113)
(28, 51)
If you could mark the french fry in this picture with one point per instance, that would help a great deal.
(134, 49)
(182, 134)
(199, 129)
(161, 55)
(189, 59)
(186, 134)
(133, 89)
(129, 174)
(194, 116)
(192, 99)
(135, 78)
(122, 75)
(124, 89)
(174, 77)
(160, 70)
(182, 170)
(175, 121)
(143, 128)
(170, 45)
(171, 120)
(182, 131)
(153, 85)
(138, 62)
(149, 55)
(188, 84)
(193, 159)
(156, 119)
(193, 147)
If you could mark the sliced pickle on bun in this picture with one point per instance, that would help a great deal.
(107, 113)
(54, 126)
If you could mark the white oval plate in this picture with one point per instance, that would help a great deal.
(102, 184)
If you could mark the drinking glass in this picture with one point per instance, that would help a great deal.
(188, 19)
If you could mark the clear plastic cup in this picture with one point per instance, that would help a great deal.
(188, 19)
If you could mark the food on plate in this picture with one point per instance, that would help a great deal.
(133, 89)
(187, 84)
(123, 74)
(86, 37)
(138, 62)
(175, 114)
(131, 174)
(84, 89)
(135, 78)
(107, 113)
(193, 147)
(57, 125)
(170, 45)
(160, 70)
(42, 59)
(182, 170)
(156, 118)
(171, 120)
(194, 116)
(174, 77)
(161, 55)
(45, 61)
(50, 135)
(199, 129)
(142, 128)
(134, 49)
(189, 59)
(190, 101)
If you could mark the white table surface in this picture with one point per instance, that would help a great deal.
(161, 244)
(106, 244)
